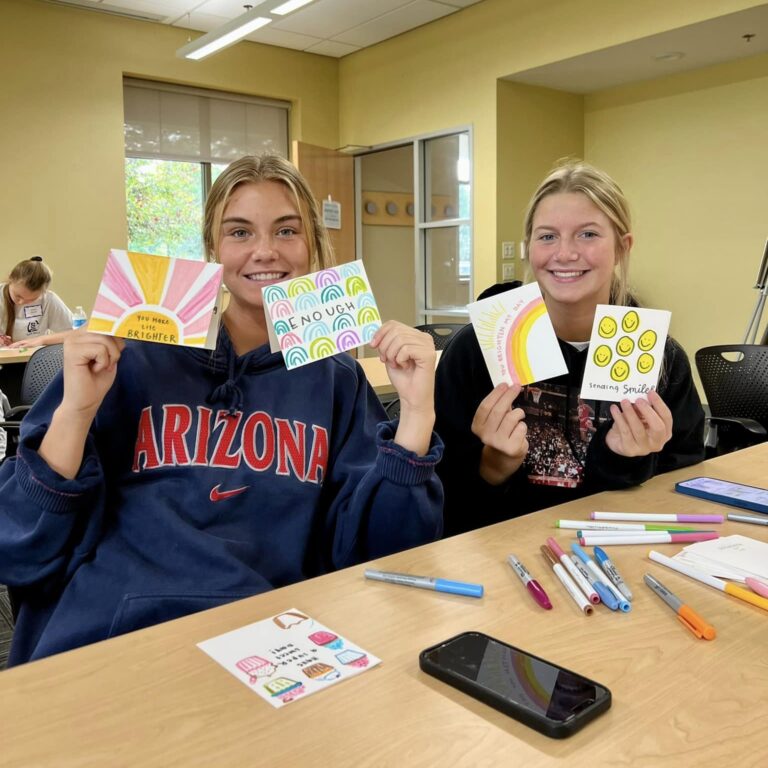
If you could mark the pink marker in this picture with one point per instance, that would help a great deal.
(757, 586)
(591, 539)
(643, 517)
(576, 574)
(533, 586)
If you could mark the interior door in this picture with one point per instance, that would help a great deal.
(331, 173)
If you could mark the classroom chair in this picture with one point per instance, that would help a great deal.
(735, 382)
(442, 333)
(40, 370)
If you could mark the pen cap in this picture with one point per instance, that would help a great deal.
(458, 588)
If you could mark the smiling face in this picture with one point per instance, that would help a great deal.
(261, 242)
(630, 321)
(607, 327)
(645, 362)
(620, 370)
(624, 346)
(573, 251)
(602, 355)
(647, 340)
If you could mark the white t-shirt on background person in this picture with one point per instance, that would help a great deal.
(48, 313)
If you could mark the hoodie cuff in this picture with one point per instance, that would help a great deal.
(47, 488)
(401, 466)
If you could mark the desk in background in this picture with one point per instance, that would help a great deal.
(12, 363)
(152, 698)
(376, 372)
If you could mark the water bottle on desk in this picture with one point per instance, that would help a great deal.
(79, 318)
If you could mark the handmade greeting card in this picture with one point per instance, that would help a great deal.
(321, 314)
(516, 336)
(157, 298)
(625, 352)
(287, 656)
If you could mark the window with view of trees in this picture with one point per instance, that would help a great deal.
(177, 141)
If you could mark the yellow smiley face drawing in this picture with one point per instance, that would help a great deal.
(645, 362)
(620, 370)
(647, 341)
(607, 327)
(602, 355)
(631, 321)
(624, 346)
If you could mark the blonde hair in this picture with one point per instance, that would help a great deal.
(577, 176)
(34, 276)
(253, 169)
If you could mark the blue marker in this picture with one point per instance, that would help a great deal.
(600, 576)
(612, 573)
(606, 596)
(426, 582)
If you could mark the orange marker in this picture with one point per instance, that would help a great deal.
(685, 613)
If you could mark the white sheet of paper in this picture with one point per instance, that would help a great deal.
(733, 556)
(626, 350)
(516, 336)
(287, 656)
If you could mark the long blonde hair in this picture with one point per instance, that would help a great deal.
(578, 176)
(34, 276)
(253, 169)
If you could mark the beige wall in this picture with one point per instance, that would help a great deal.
(61, 124)
(691, 152)
(535, 128)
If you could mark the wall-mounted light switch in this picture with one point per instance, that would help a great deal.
(508, 250)
(507, 272)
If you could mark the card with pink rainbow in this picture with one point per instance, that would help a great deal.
(516, 336)
(160, 299)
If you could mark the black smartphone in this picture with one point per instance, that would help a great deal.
(538, 693)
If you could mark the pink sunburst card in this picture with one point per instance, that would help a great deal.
(516, 336)
(158, 298)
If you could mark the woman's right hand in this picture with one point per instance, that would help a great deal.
(502, 431)
(90, 366)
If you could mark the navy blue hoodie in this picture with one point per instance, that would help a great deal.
(207, 477)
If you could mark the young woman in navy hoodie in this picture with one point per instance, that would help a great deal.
(155, 481)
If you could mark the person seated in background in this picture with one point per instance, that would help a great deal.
(153, 481)
(510, 451)
(30, 313)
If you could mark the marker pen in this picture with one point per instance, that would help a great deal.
(426, 582)
(583, 584)
(567, 582)
(624, 604)
(612, 573)
(533, 586)
(606, 596)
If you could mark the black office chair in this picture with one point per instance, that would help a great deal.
(442, 333)
(393, 409)
(40, 370)
(735, 381)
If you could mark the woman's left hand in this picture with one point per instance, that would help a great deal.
(640, 428)
(409, 356)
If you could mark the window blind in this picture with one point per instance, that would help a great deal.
(195, 125)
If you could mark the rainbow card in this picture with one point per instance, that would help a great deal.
(626, 350)
(516, 336)
(157, 298)
(321, 314)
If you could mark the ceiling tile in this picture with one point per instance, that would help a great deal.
(394, 23)
(270, 36)
(327, 18)
(331, 48)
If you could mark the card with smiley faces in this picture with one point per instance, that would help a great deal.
(626, 350)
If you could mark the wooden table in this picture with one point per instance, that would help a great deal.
(152, 698)
(20, 355)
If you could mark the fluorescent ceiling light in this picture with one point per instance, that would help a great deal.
(224, 36)
(291, 5)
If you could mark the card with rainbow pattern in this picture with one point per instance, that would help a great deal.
(516, 336)
(321, 314)
(158, 298)
(626, 351)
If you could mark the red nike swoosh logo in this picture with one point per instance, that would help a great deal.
(217, 495)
